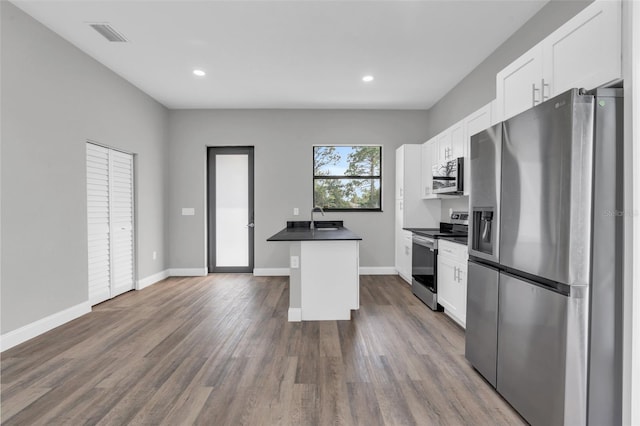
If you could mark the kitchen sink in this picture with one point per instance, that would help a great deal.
(320, 225)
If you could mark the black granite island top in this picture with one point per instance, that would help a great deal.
(320, 234)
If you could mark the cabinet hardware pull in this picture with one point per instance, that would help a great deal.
(534, 89)
(543, 86)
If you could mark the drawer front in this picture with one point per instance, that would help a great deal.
(453, 250)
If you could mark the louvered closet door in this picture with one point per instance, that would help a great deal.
(121, 222)
(98, 223)
(110, 222)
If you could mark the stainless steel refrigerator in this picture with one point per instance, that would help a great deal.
(545, 249)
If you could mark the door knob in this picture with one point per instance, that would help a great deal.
(251, 225)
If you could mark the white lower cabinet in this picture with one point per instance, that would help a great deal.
(452, 280)
(404, 254)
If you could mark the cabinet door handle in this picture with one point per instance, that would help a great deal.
(534, 89)
(544, 97)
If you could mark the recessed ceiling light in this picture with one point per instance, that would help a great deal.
(199, 73)
(367, 78)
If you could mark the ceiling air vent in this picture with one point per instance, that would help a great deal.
(108, 32)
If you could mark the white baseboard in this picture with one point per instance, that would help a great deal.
(378, 270)
(271, 272)
(295, 314)
(152, 279)
(188, 272)
(36, 328)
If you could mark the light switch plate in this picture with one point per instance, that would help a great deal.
(295, 262)
(296, 211)
(188, 211)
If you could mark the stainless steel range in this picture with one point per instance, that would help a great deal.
(424, 264)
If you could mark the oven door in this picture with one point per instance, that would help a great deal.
(423, 270)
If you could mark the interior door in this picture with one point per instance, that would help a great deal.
(122, 222)
(231, 209)
(110, 219)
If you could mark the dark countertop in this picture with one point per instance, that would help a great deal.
(459, 240)
(301, 234)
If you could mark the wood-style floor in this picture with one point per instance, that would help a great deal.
(218, 350)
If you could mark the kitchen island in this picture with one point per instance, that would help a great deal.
(324, 272)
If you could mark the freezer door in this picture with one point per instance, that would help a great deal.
(532, 350)
(546, 189)
(484, 183)
(481, 334)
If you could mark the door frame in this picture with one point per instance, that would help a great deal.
(212, 151)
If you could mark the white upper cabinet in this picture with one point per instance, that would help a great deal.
(458, 135)
(451, 144)
(474, 123)
(518, 85)
(585, 52)
(429, 154)
(443, 141)
(414, 211)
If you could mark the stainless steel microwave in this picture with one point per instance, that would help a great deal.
(448, 177)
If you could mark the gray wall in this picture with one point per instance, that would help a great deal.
(478, 88)
(283, 142)
(54, 98)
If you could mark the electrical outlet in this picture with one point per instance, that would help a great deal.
(296, 211)
(295, 262)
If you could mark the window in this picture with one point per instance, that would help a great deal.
(347, 178)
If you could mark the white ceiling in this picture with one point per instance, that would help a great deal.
(290, 54)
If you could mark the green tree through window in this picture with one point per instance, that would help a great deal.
(347, 177)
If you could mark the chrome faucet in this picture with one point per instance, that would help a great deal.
(315, 209)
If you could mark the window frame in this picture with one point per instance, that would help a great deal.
(353, 177)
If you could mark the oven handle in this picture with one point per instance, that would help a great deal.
(424, 242)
